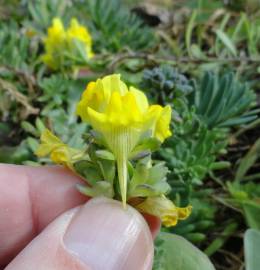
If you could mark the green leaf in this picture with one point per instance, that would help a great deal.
(179, 254)
(188, 34)
(223, 101)
(226, 41)
(40, 125)
(252, 247)
(28, 127)
(252, 213)
(80, 50)
(247, 161)
(221, 240)
(33, 143)
(220, 165)
(196, 52)
(105, 154)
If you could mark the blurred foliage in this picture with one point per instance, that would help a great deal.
(17, 50)
(42, 12)
(114, 28)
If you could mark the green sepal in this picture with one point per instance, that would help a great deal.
(101, 188)
(89, 171)
(148, 180)
(146, 146)
(108, 169)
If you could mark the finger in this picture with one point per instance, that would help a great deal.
(154, 224)
(100, 235)
(31, 197)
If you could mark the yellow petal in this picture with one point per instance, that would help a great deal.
(98, 120)
(57, 25)
(141, 99)
(48, 143)
(184, 212)
(162, 126)
(60, 155)
(79, 31)
(48, 137)
(90, 98)
(114, 109)
(59, 152)
(113, 83)
(151, 116)
(89, 89)
(131, 110)
(164, 209)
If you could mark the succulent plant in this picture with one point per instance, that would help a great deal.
(223, 101)
(164, 83)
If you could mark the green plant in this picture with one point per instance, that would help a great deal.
(191, 153)
(213, 154)
(16, 81)
(202, 219)
(165, 83)
(17, 50)
(192, 150)
(114, 28)
(223, 101)
(246, 195)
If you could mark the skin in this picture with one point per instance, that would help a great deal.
(31, 199)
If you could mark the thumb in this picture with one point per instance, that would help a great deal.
(100, 235)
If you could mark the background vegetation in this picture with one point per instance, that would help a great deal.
(202, 58)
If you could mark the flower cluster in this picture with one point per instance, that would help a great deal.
(117, 160)
(64, 47)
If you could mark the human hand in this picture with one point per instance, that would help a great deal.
(43, 226)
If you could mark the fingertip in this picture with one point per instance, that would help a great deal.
(100, 235)
(103, 233)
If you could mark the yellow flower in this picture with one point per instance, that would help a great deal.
(59, 152)
(77, 31)
(59, 42)
(53, 43)
(164, 209)
(122, 115)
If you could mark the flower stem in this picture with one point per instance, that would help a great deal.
(122, 176)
